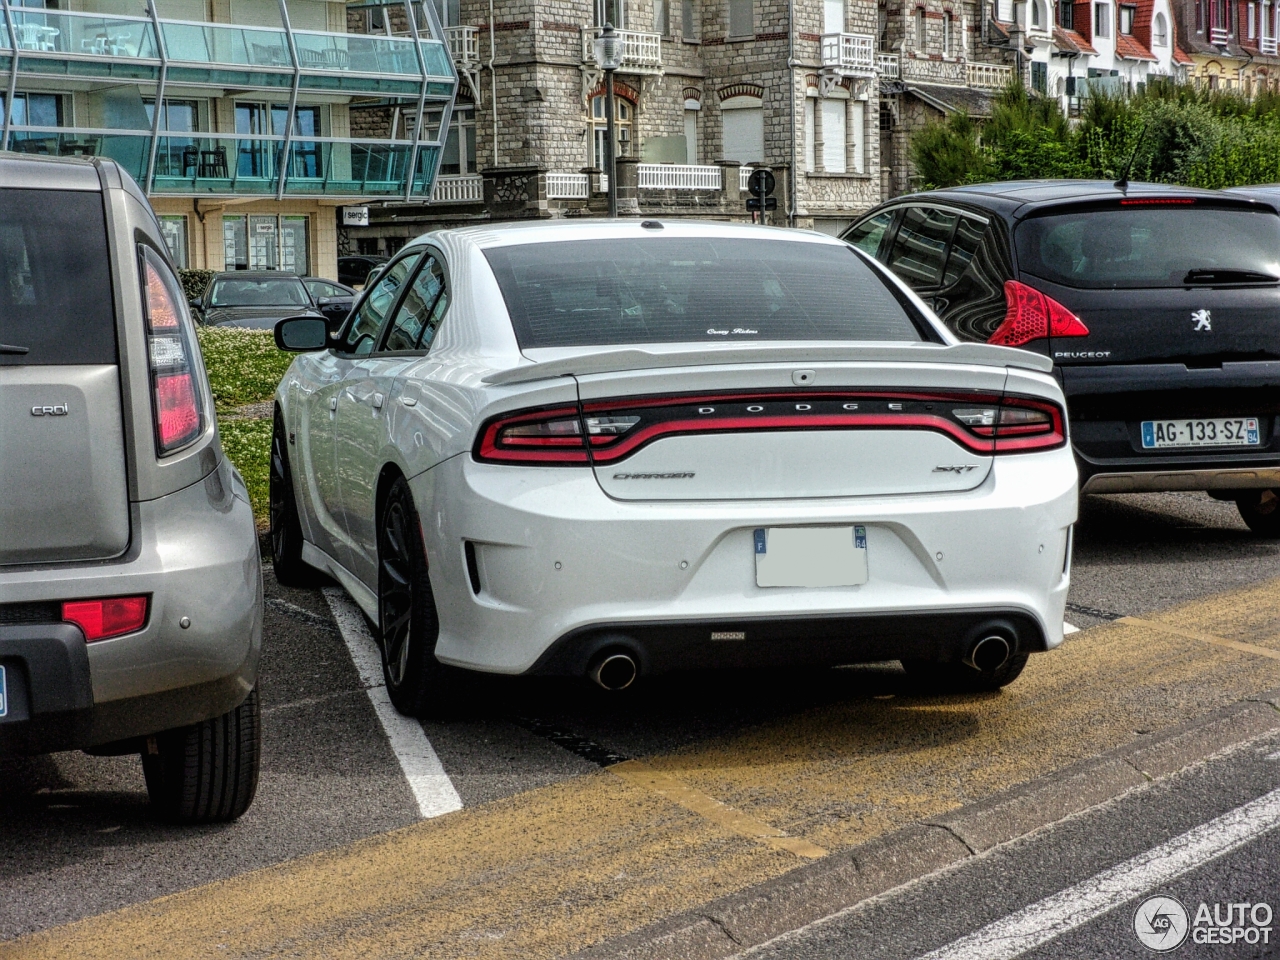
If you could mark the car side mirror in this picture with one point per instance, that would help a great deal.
(194, 303)
(302, 334)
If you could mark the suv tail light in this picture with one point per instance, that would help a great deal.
(106, 618)
(608, 431)
(176, 398)
(1030, 315)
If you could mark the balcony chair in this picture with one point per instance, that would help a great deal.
(213, 163)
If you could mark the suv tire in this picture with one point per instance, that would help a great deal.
(417, 683)
(206, 773)
(286, 529)
(1260, 509)
(936, 676)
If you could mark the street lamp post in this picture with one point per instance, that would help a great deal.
(608, 49)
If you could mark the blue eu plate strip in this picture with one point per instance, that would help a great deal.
(760, 541)
(860, 537)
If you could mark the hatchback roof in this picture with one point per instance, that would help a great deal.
(48, 173)
(1033, 194)
(502, 234)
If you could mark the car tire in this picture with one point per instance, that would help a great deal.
(952, 677)
(417, 683)
(208, 772)
(1260, 509)
(286, 528)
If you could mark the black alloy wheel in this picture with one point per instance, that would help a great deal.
(286, 529)
(417, 682)
(1260, 509)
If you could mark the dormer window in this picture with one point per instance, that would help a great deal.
(1102, 20)
(1066, 18)
(1160, 31)
(1126, 20)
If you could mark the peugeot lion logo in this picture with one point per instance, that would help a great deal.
(1203, 321)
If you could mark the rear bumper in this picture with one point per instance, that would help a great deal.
(197, 558)
(557, 560)
(1196, 478)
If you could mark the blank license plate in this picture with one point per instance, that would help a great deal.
(811, 556)
(1229, 432)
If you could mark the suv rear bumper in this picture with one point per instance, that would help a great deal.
(1161, 478)
(196, 556)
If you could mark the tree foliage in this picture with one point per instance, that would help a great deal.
(1172, 134)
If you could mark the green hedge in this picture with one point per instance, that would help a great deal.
(1172, 134)
(195, 282)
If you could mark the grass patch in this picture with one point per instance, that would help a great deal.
(244, 365)
(247, 444)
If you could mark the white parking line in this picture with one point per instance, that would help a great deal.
(1069, 628)
(1086, 901)
(431, 786)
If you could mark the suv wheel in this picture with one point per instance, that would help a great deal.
(941, 677)
(1260, 509)
(407, 622)
(206, 773)
(286, 530)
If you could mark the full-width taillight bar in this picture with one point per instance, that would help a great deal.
(608, 431)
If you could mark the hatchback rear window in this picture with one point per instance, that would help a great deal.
(693, 289)
(1156, 246)
(55, 279)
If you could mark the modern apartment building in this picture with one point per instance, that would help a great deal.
(822, 92)
(235, 116)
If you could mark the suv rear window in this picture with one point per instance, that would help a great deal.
(693, 289)
(1143, 247)
(55, 279)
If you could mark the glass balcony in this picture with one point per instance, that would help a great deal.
(86, 45)
(129, 149)
(244, 56)
(331, 167)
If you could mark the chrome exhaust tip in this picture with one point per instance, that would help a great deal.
(989, 654)
(614, 671)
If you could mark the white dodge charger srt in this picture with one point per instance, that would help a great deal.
(617, 448)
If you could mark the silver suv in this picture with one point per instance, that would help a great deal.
(130, 585)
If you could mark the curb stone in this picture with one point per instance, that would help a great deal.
(731, 924)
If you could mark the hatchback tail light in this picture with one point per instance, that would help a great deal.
(179, 412)
(108, 617)
(1030, 315)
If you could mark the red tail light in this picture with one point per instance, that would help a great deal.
(179, 414)
(110, 617)
(1033, 316)
(608, 431)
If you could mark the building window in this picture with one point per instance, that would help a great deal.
(257, 157)
(1101, 20)
(741, 19)
(1037, 21)
(176, 156)
(1066, 14)
(833, 16)
(459, 157)
(266, 242)
(1126, 20)
(742, 120)
(1199, 16)
(174, 230)
(623, 117)
(921, 35)
(687, 28)
(447, 11)
(1039, 77)
(35, 110)
(661, 18)
(834, 158)
(1248, 14)
(690, 134)
(612, 12)
(947, 41)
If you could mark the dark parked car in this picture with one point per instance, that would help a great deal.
(1160, 307)
(255, 301)
(334, 300)
(354, 271)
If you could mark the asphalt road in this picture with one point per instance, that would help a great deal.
(78, 840)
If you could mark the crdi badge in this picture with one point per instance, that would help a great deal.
(1161, 923)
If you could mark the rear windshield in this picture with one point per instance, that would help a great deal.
(705, 289)
(284, 292)
(1143, 247)
(55, 279)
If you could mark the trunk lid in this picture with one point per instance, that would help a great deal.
(62, 454)
(760, 431)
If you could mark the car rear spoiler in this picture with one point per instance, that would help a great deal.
(684, 355)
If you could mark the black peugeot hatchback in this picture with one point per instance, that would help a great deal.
(1159, 305)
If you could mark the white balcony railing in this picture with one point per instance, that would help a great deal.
(464, 44)
(849, 54)
(1219, 35)
(641, 52)
(1268, 46)
(465, 189)
(990, 76)
(744, 178)
(887, 65)
(568, 186)
(676, 176)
